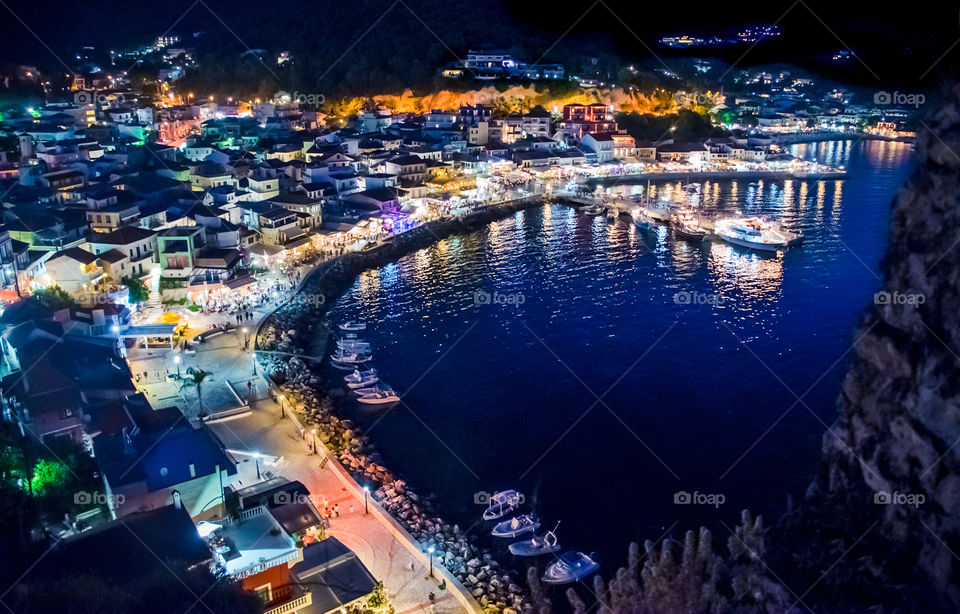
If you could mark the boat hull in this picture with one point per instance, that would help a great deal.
(525, 548)
(764, 247)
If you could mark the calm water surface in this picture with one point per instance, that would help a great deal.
(729, 394)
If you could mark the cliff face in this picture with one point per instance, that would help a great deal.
(885, 510)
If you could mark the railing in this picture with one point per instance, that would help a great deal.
(287, 599)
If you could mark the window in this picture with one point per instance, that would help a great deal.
(263, 593)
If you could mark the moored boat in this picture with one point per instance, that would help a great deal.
(365, 382)
(536, 545)
(501, 504)
(365, 391)
(687, 226)
(592, 210)
(378, 398)
(753, 233)
(517, 525)
(570, 567)
(358, 375)
(352, 326)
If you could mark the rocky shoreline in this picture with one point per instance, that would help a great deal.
(293, 326)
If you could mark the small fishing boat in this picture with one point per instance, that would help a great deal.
(365, 382)
(358, 375)
(537, 545)
(365, 391)
(348, 361)
(592, 210)
(501, 504)
(378, 398)
(570, 567)
(517, 525)
(687, 226)
(353, 345)
(352, 326)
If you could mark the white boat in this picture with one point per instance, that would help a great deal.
(351, 345)
(377, 398)
(518, 525)
(365, 391)
(753, 233)
(501, 504)
(592, 210)
(348, 325)
(349, 361)
(358, 375)
(364, 383)
(570, 567)
(536, 545)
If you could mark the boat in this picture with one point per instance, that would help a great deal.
(348, 361)
(537, 545)
(592, 210)
(753, 233)
(612, 214)
(518, 525)
(692, 188)
(642, 219)
(570, 567)
(367, 381)
(367, 390)
(378, 398)
(352, 326)
(352, 345)
(501, 504)
(687, 226)
(358, 375)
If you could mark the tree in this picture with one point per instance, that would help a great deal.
(137, 291)
(56, 298)
(196, 378)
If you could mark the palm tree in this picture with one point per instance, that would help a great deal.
(196, 377)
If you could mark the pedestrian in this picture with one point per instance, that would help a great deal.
(413, 567)
(249, 390)
(432, 598)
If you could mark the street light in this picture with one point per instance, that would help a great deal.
(256, 461)
(281, 398)
(366, 505)
(176, 359)
(313, 440)
(430, 553)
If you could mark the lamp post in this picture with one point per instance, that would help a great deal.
(281, 398)
(256, 461)
(430, 554)
(176, 359)
(313, 440)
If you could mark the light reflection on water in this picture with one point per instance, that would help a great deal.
(600, 295)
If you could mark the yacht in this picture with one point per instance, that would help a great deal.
(753, 233)
(501, 504)
(570, 567)
(516, 526)
(687, 226)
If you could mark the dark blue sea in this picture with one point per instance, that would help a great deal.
(550, 352)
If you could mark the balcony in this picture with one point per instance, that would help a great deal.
(289, 598)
